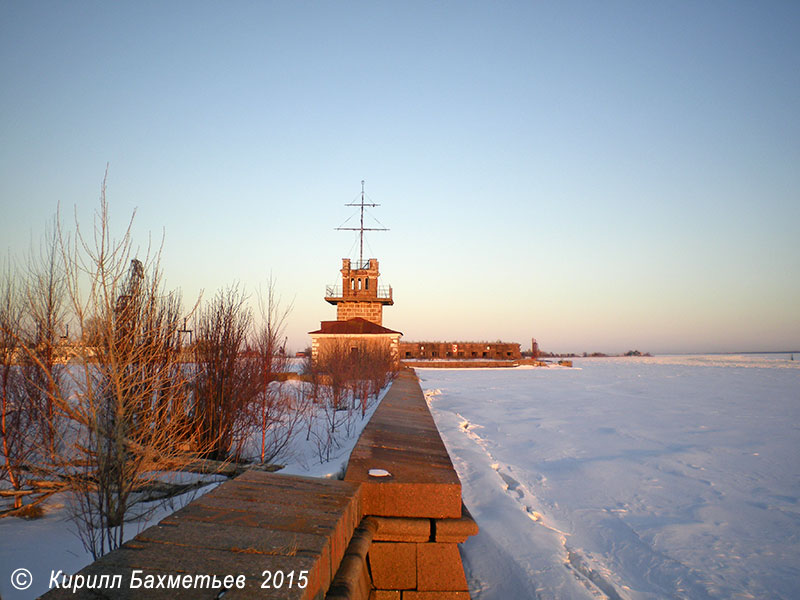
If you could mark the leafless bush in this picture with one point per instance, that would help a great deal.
(330, 421)
(43, 362)
(313, 375)
(31, 316)
(380, 368)
(17, 419)
(274, 415)
(226, 375)
(347, 375)
(335, 362)
(128, 414)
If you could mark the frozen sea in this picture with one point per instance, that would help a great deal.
(635, 478)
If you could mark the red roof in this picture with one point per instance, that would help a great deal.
(353, 326)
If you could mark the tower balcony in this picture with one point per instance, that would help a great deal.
(334, 294)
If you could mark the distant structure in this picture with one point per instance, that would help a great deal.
(359, 302)
(460, 350)
(534, 348)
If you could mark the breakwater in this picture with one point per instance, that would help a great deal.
(389, 531)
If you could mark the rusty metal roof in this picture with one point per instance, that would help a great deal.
(354, 326)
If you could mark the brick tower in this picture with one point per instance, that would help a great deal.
(359, 294)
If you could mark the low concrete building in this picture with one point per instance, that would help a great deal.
(460, 350)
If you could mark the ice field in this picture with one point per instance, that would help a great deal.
(635, 478)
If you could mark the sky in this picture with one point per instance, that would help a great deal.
(602, 176)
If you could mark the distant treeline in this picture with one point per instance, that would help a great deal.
(542, 354)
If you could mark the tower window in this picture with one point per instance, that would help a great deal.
(366, 283)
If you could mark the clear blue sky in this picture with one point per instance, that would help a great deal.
(599, 175)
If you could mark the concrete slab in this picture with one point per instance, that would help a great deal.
(392, 529)
(455, 530)
(440, 568)
(393, 565)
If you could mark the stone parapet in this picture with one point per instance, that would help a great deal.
(402, 439)
(256, 524)
(411, 490)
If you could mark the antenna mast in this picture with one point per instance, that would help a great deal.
(361, 229)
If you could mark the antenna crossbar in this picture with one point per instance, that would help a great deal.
(361, 229)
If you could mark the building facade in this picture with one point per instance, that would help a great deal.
(353, 336)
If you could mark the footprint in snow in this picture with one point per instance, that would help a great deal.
(512, 485)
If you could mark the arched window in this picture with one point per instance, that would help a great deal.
(366, 283)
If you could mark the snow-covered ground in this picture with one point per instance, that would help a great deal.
(635, 478)
(51, 542)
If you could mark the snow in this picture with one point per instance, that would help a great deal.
(303, 456)
(634, 478)
(50, 543)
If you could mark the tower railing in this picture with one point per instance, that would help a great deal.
(359, 265)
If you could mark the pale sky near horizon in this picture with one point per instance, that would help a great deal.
(602, 176)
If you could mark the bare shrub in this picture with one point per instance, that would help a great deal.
(128, 413)
(380, 368)
(313, 375)
(274, 415)
(17, 418)
(226, 375)
(335, 364)
(32, 357)
(43, 363)
(346, 376)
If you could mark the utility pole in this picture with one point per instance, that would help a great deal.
(183, 331)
